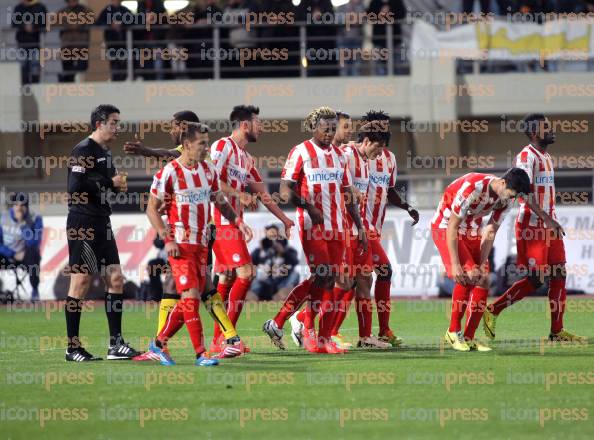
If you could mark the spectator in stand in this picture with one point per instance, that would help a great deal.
(275, 261)
(28, 18)
(238, 37)
(351, 38)
(116, 18)
(396, 10)
(321, 37)
(201, 39)
(281, 67)
(21, 231)
(74, 36)
(155, 67)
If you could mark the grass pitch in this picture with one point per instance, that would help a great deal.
(525, 388)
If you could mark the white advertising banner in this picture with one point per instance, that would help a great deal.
(502, 40)
(416, 262)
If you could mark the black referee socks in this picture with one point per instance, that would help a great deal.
(72, 310)
(113, 309)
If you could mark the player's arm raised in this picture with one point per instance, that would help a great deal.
(229, 213)
(259, 189)
(138, 148)
(395, 199)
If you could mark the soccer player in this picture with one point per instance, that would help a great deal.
(237, 173)
(312, 179)
(464, 245)
(169, 299)
(91, 243)
(343, 289)
(539, 237)
(187, 186)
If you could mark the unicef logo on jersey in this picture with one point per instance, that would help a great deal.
(380, 179)
(323, 175)
(361, 184)
(194, 196)
(543, 180)
(237, 173)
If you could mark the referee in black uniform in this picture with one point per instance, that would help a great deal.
(91, 243)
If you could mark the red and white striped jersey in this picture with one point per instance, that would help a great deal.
(469, 198)
(539, 167)
(359, 171)
(236, 167)
(382, 177)
(186, 193)
(320, 173)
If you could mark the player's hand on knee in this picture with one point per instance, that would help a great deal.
(458, 274)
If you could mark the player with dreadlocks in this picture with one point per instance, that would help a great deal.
(312, 179)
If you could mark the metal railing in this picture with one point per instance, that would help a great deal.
(299, 54)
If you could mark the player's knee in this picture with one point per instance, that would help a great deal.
(384, 272)
(247, 272)
(116, 282)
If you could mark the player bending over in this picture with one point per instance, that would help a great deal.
(464, 245)
(539, 237)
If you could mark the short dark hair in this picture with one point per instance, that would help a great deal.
(101, 114)
(375, 126)
(243, 113)
(192, 130)
(342, 115)
(186, 116)
(18, 198)
(518, 180)
(531, 123)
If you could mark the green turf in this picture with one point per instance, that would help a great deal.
(421, 391)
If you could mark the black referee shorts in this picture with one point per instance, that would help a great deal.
(91, 244)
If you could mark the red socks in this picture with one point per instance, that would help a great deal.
(557, 295)
(237, 298)
(186, 310)
(193, 324)
(293, 302)
(364, 314)
(460, 297)
(223, 289)
(326, 321)
(515, 293)
(383, 305)
(343, 303)
(478, 302)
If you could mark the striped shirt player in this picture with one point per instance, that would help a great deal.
(186, 193)
(235, 167)
(382, 177)
(358, 166)
(470, 199)
(467, 200)
(320, 174)
(536, 245)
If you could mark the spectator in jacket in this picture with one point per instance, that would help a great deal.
(74, 36)
(21, 231)
(28, 18)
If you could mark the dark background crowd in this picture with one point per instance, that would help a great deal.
(197, 38)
